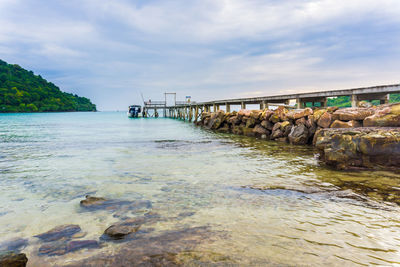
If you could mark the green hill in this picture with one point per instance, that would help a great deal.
(345, 101)
(23, 91)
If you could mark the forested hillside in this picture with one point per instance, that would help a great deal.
(23, 91)
(345, 101)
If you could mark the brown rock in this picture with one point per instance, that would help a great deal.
(348, 124)
(318, 113)
(12, 259)
(216, 119)
(331, 109)
(279, 114)
(119, 231)
(255, 114)
(90, 201)
(385, 116)
(244, 112)
(267, 125)
(250, 122)
(276, 134)
(325, 120)
(234, 120)
(301, 121)
(236, 129)
(349, 114)
(299, 113)
(266, 114)
(260, 131)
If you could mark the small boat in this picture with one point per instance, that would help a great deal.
(134, 111)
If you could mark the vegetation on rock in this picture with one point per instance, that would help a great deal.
(23, 91)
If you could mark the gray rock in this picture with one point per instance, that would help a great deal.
(298, 135)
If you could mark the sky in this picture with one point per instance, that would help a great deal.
(111, 51)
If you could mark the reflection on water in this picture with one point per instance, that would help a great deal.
(220, 199)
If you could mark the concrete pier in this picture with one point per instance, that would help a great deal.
(380, 93)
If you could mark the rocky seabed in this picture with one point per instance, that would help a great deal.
(348, 138)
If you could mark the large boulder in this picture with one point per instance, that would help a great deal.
(12, 259)
(298, 135)
(216, 119)
(385, 116)
(267, 125)
(325, 120)
(261, 132)
(377, 148)
(350, 114)
(234, 120)
(318, 113)
(345, 124)
(237, 129)
(279, 114)
(299, 113)
(266, 114)
(250, 122)
(256, 114)
(301, 121)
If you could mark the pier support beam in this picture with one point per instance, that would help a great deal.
(243, 105)
(263, 105)
(227, 107)
(354, 101)
(325, 103)
(196, 113)
(299, 103)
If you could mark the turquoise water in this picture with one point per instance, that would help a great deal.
(261, 202)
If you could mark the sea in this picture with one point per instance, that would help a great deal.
(215, 199)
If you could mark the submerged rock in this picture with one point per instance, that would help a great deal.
(92, 201)
(100, 203)
(15, 244)
(162, 249)
(59, 232)
(12, 259)
(81, 244)
(62, 247)
(119, 231)
(122, 229)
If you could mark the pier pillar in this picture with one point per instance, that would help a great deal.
(243, 105)
(227, 107)
(325, 103)
(263, 105)
(190, 114)
(299, 103)
(354, 101)
(386, 99)
(214, 108)
(196, 113)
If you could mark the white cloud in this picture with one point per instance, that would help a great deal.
(205, 48)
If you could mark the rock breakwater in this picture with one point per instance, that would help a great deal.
(364, 137)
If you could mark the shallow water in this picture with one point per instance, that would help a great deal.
(256, 202)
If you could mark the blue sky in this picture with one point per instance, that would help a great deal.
(110, 51)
